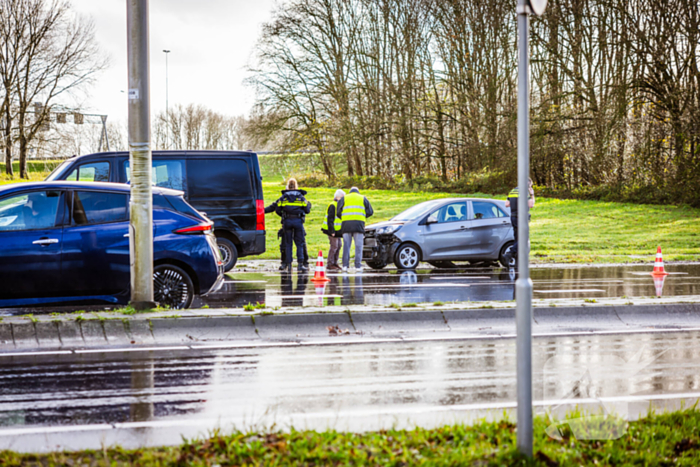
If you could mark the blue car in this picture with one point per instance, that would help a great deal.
(68, 243)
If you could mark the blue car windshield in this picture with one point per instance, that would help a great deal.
(416, 211)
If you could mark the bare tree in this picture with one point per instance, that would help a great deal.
(53, 53)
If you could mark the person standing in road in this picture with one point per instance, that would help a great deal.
(332, 227)
(293, 208)
(353, 210)
(512, 203)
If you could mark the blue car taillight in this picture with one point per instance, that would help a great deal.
(194, 230)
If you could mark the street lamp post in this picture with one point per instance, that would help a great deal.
(141, 203)
(167, 115)
(523, 286)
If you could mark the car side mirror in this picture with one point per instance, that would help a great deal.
(432, 219)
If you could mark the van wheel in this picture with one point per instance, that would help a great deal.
(229, 252)
(172, 287)
(407, 256)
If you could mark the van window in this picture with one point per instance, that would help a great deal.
(92, 172)
(166, 174)
(218, 178)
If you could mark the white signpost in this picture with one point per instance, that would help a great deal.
(523, 286)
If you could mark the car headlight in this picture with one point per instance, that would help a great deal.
(389, 229)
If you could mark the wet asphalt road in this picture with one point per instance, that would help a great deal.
(155, 397)
(245, 285)
(430, 285)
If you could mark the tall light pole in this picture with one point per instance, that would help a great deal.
(167, 115)
(141, 204)
(523, 286)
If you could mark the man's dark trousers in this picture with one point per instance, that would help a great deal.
(294, 232)
(514, 249)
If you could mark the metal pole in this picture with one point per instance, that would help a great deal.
(167, 115)
(523, 286)
(141, 207)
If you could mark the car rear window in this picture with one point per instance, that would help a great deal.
(94, 207)
(218, 178)
(486, 210)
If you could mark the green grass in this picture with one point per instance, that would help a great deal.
(657, 440)
(38, 171)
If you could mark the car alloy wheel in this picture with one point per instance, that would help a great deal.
(172, 287)
(407, 257)
(506, 260)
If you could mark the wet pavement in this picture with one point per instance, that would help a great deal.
(247, 284)
(154, 397)
(391, 286)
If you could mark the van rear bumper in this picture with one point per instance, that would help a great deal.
(252, 242)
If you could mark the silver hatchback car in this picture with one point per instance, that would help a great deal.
(440, 232)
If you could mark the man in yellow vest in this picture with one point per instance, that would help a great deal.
(353, 210)
(332, 227)
(512, 203)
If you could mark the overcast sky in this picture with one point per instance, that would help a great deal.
(211, 42)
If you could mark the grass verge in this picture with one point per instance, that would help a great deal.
(656, 440)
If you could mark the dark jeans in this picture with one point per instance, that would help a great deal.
(294, 232)
(514, 250)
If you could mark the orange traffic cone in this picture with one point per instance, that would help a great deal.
(659, 265)
(320, 274)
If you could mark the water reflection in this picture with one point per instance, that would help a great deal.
(256, 385)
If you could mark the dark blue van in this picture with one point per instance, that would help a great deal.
(225, 185)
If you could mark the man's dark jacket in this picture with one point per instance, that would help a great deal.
(290, 205)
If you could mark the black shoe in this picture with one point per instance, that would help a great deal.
(283, 267)
(303, 268)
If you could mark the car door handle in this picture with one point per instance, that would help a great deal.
(464, 227)
(45, 241)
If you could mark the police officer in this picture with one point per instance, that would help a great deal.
(293, 208)
(353, 210)
(332, 227)
(512, 202)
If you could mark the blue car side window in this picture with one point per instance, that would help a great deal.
(94, 207)
(29, 211)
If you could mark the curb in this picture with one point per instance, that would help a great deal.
(489, 323)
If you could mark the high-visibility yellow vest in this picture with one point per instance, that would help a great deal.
(284, 202)
(337, 223)
(354, 208)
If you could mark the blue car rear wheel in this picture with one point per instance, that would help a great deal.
(172, 287)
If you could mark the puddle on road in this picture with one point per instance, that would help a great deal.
(441, 285)
(391, 286)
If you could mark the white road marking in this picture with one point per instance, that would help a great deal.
(245, 282)
(134, 349)
(28, 354)
(570, 291)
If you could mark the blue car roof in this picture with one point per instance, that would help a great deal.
(62, 184)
